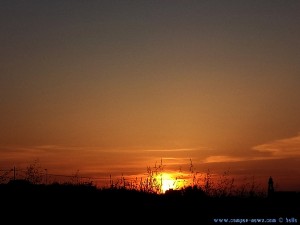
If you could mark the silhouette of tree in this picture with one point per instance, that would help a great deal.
(34, 173)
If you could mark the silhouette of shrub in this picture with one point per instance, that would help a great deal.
(34, 173)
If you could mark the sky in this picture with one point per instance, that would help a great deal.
(113, 87)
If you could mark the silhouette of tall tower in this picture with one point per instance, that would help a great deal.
(270, 187)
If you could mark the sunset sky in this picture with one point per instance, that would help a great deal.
(111, 87)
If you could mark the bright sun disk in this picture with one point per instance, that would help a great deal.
(168, 182)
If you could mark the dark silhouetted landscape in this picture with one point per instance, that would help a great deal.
(71, 202)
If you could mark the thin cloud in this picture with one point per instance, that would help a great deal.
(224, 158)
(175, 150)
(283, 148)
(278, 149)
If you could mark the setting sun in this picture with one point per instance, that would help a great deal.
(167, 182)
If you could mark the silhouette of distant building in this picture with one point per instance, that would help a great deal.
(281, 195)
(270, 187)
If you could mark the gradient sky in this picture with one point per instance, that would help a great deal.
(111, 87)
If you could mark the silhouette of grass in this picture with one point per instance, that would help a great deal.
(203, 198)
(222, 186)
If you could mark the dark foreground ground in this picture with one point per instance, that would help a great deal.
(69, 204)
